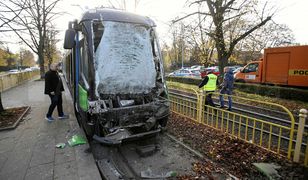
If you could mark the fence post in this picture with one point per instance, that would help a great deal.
(200, 106)
(300, 131)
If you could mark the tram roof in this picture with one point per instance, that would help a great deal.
(116, 15)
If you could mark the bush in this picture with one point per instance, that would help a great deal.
(185, 80)
(274, 91)
(264, 90)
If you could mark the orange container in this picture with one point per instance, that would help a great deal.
(281, 66)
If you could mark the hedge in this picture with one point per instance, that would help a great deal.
(264, 90)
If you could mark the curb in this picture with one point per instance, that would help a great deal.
(19, 119)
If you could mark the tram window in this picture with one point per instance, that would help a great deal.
(84, 63)
(155, 49)
(98, 30)
(154, 44)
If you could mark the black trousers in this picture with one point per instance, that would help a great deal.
(208, 99)
(56, 100)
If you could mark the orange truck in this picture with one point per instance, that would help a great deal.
(282, 66)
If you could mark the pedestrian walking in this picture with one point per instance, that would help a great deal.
(54, 88)
(209, 84)
(226, 88)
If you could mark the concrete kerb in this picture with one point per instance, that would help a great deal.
(86, 165)
(17, 122)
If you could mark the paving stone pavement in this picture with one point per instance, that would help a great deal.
(29, 153)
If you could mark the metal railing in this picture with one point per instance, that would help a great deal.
(275, 137)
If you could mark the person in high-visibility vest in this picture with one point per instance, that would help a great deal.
(209, 85)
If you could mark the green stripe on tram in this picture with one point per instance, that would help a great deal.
(83, 98)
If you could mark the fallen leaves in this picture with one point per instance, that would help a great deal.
(9, 116)
(232, 154)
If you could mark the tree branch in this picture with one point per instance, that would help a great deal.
(188, 15)
(233, 43)
(238, 15)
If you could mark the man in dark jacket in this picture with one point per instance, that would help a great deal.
(53, 88)
(227, 87)
(209, 84)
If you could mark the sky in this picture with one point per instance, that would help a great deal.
(293, 13)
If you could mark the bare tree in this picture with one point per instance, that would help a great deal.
(50, 46)
(202, 45)
(226, 16)
(270, 35)
(26, 58)
(30, 24)
(3, 15)
(175, 52)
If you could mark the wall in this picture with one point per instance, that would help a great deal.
(11, 80)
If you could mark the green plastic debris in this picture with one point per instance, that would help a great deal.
(171, 174)
(148, 174)
(76, 140)
(60, 145)
(269, 170)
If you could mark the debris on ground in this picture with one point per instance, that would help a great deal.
(206, 169)
(232, 154)
(76, 140)
(268, 169)
(60, 145)
(148, 174)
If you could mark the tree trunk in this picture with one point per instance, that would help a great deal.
(223, 61)
(1, 106)
(41, 64)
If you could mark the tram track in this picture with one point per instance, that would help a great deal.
(155, 158)
(170, 155)
(259, 112)
(161, 157)
(248, 131)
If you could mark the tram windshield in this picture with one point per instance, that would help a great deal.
(123, 59)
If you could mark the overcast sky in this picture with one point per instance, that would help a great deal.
(293, 13)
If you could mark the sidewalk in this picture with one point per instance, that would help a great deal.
(28, 152)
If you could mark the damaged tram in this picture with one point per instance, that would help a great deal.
(114, 71)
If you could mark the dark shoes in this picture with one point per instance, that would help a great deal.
(49, 119)
(64, 116)
(223, 107)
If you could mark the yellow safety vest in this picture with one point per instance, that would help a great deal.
(211, 83)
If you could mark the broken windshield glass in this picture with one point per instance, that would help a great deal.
(124, 60)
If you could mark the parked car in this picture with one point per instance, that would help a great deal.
(186, 73)
(34, 68)
(233, 68)
(27, 69)
(213, 69)
(14, 71)
(199, 68)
